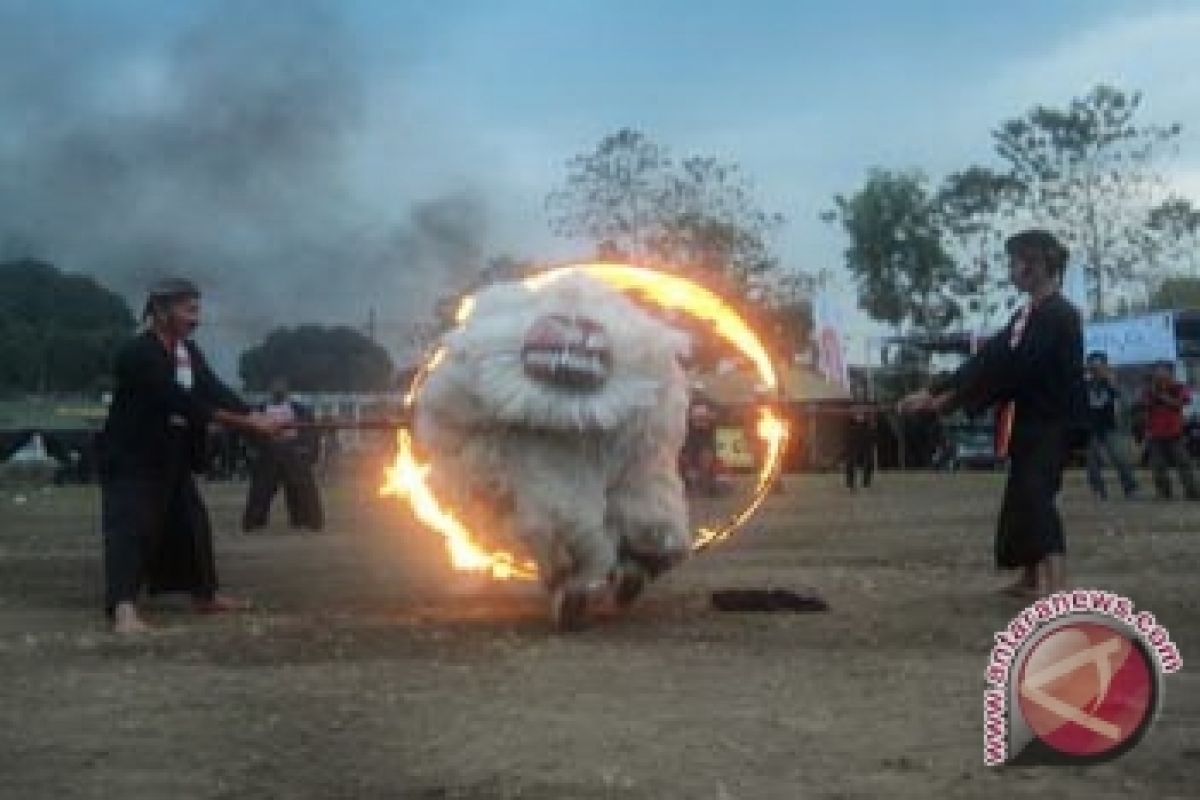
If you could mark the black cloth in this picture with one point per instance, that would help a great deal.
(157, 532)
(1102, 399)
(1043, 376)
(859, 452)
(1030, 527)
(288, 463)
(156, 529)
(134, 441)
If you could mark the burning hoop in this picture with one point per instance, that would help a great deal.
(666, 290)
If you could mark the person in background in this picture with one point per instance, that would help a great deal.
(1164, 401)
(1034, 369)
(1103, 395)
(287, 460)
(860, 445)
(699, 454)
(157, 533)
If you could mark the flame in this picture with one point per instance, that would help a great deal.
(674, 292)
(773, 431)
(407, 477)
(465, 307)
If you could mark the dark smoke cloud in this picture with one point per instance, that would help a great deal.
(223, 152)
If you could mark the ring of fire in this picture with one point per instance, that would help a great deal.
(666, 290)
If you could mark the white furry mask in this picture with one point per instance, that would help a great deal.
(573, 354)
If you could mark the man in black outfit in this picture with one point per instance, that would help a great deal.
(157, 533)
(286, 460)
(860, 445)
(1035, 364)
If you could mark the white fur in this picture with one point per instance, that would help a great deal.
(576, 475)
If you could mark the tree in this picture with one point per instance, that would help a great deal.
(632, 199)
(58, 331)
(615, 195)
(1176, 224)
(316, 358)
(786, 304)
(1088, 170)
(975, 207)
(1176, 293)
(897, 253)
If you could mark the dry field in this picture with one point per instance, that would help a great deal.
(369, 672)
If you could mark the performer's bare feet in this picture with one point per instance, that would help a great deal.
(571, 602)
(126, 619)
(568, 608)
(628, 582)
(1026, 586)
(220, 604)
(1053, 574)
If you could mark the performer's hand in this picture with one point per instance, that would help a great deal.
(940, 402)
(263, 425)
(916, 402)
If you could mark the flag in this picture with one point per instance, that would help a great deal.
(829, 326)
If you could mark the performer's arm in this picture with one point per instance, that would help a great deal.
(138, 369)
(212, 389)
(991, 374)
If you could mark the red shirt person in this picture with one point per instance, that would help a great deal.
(1164, 401)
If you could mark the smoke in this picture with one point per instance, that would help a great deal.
(229, 151)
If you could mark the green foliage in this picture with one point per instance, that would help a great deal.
(897, 255)
(785, 311)
(634, 200)
(1175, 223)
(1087, 171)
(316, 358)
(975, 207)
(58, 331)
(1176, 293)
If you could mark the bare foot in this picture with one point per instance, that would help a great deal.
(1054, 573)
(221, 604)
(1024, 586)
(1020, 590)
(126, 620)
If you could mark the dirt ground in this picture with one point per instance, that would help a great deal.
(367, 672)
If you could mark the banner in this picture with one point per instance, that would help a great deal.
(1137, 340)
(829, 324)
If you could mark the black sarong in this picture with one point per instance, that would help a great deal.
(1030, 527)
(157, 533)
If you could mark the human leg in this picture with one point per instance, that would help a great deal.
(1160, 458)
(1095, 464)
(1120, 463)
(264, 482)
(127, 521)
(1183, 463)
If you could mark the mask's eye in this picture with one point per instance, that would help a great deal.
(568, 351)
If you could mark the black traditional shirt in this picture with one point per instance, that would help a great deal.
(1042, 373)
(148, 397)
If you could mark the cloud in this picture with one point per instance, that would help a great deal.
(236, 148)
(1154, 53)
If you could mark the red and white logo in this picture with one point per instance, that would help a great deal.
(1075, 678)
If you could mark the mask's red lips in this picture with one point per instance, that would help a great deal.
(568, 351)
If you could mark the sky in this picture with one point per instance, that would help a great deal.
(257, 143)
